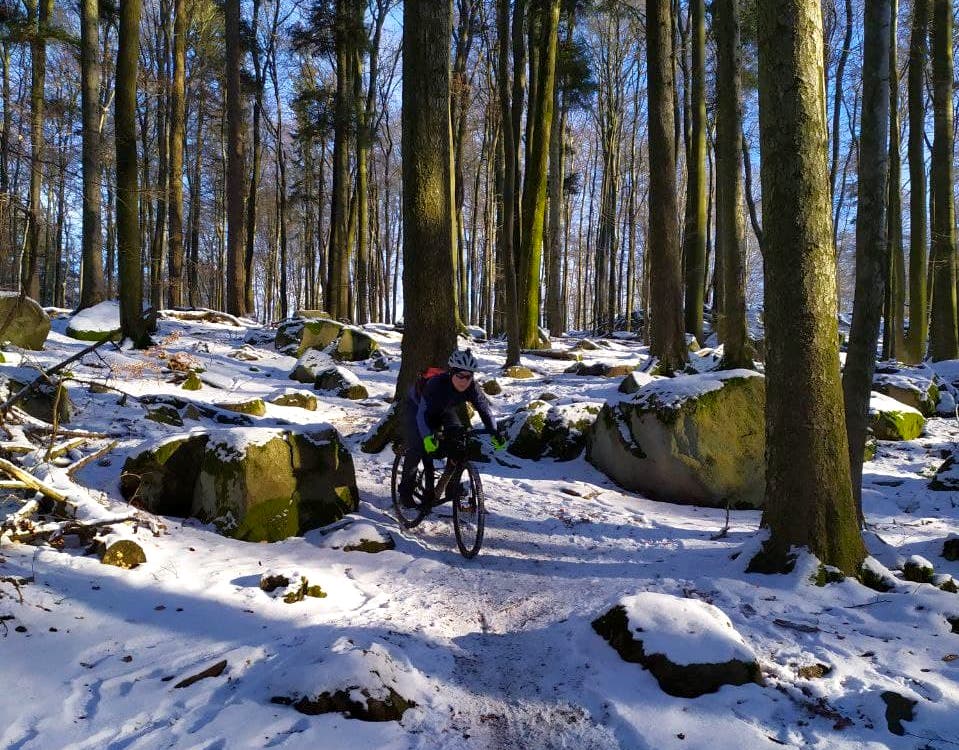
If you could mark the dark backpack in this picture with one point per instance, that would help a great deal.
(421, 379)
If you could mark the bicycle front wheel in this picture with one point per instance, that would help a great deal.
(469, 515)
(409, 515)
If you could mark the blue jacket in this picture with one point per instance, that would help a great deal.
(439, 395)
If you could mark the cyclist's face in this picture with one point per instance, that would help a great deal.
(461, 379)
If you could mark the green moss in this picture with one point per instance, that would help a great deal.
(371, 546)
(917, 573)
(518, 372)
(165, 415)
(124, 553)
(354, 392)
(299, 400)
(254, 407)
(874, 581)
(192, 382)
(826, 575)
(492, 387)
(897, 425)
(318, 334)
(113, 335)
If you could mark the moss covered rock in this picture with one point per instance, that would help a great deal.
(695, 439)
(29, 324)
(892, 420)
(98, 323)
(491, 387)
(385, 431)
(635, 629)
(257, 485)
(545, 430)
(518, 372)
(43, 400)
(192, 382)
(634, 381)
(354, 345)
(297, 399)
(165, 414)
(318, 334)
(122, 553)
(950, 549)
(253, 406)
(600, 369)
(288, 335)
(918, 570)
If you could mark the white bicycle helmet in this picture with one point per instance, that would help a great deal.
(463, 360)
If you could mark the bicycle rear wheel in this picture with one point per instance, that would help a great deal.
(409, 516)
(469, 515)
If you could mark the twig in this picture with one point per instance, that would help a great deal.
(76, 466)
(55, 424)
(868, 604)
(32, 482)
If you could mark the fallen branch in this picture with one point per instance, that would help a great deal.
(77, 465)
(32, 482)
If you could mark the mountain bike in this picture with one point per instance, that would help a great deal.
(469, 511)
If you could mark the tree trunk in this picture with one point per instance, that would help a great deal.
(128, 226)
(428, 284)
(805, 433)
(730, 228)
(694, 235)
(177, 132)
(282, 208)
(363, 140)
(872, 259)
(918, 238)
(555, 313)
(838, 91)
(338, 301)
(894, 329)
(666, 326)
(510, 176)
(546, 13)
(235, 166)
(38, 13)
(91, 282)
(943, 343)
(256, 146)
(193, 265)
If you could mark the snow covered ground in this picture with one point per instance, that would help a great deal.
(495, 652)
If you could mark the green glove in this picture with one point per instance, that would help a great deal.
(430, 443)
(498, 441)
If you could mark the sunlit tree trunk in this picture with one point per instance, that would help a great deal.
(805, 430)
(694, 235)
(918, 238)
(893, 329)
(235, 166)
(177, 133)
(943, 342)
(666, 292)
(91, 282)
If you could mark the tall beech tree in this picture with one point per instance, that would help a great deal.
(893, 344)
(177, 135)
(943, 341)
(235, 166)
(666, 315)
(918, 237)
(730, 228)
(428, 283)
(872, 258)
(129, 248)
(809, 497)
(92, 287)
(694, 234)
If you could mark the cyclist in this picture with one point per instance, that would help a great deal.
(431, 404)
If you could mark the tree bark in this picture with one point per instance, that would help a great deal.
(918, 237)
(91, 282)
(235, 166)
(256, 147)
(730, 222)
(943, 342)
(129, 246)
(872, 259)
(809, 498)
(666, 301)
(177, 133)
(428, 284)
(894, 328)
(694, 235)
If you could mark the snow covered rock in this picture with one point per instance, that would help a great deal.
(42, 399)
(634, 381)
(309, 365)
(29, 325)
(542, 429)
(385, 431)
(491, 387)
(918, 569)
(252, 406)
(693, 439)
(96, 323)
(913, 386)
(342, 382)
(121, 553)
(518, 372)
(891, 419)
(360, 537)
(690, 646)
(950, 549)
(287, 339)
(361, 680)
(256, 484)
(947, 476)
(600, 369)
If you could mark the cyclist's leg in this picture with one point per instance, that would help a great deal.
(454, 488)
(414, 452)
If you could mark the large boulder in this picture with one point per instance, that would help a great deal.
(29, 324)
(310, 365)
(255, 484)
(891, 419)
(288, 334)
(690, 646)
(96, 323)
(354, 345)
(341, 382)
(543, 429)
(947, 475)
(43, 400)
(694, 439)
(913, 386)
(319, 334)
